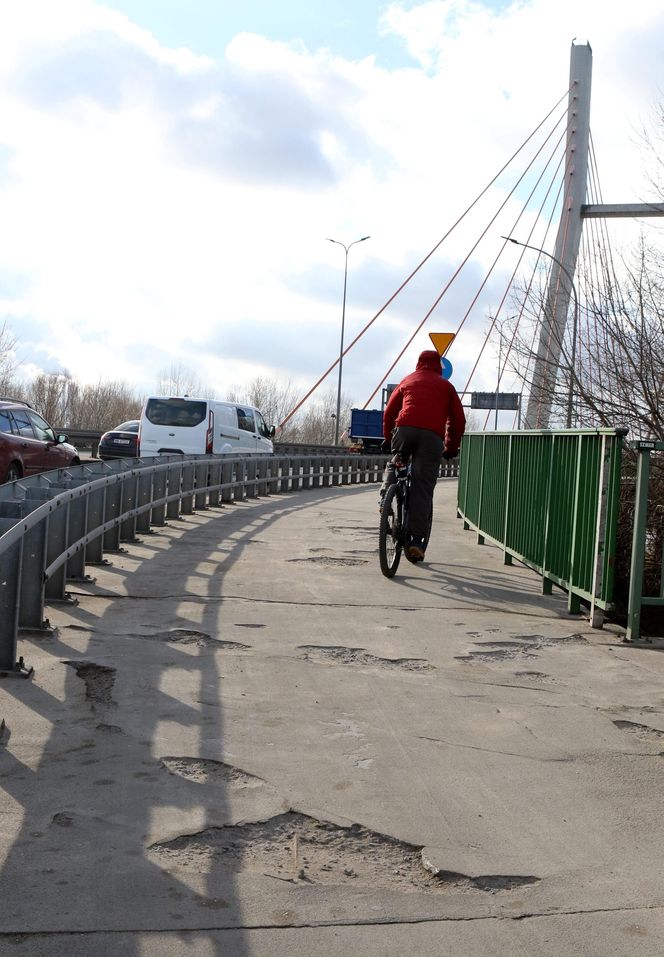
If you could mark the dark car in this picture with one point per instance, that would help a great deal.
(28, 444)
(121, 442)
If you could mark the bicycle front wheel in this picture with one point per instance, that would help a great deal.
(390, 533)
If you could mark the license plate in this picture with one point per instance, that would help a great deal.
(122, 441)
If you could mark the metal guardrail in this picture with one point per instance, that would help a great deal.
(54, 525)
(636, 597)
(550, 500)
(89, 439)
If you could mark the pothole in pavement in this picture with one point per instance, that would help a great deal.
(99, 681)
(358, 656)
(641, 730)
(207, 771)
(299, 849)
(198, 639)
(533, 675)
(327, 560)
(522, 646)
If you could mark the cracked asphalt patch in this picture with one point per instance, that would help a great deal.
(99, 681)
(207, 771)
(521, 646)
(326, 560)
(296, 848)
(641, 730)
(197, 639)
(339, 654)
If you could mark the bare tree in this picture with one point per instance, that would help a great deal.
(180, 379)
(103, 406)
(9, 383)
(51, 393)
(613, 373)
(316, 424)
(274, 398)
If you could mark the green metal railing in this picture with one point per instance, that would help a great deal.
(550, 500)
(636, 597)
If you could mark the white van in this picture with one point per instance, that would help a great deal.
(171, 424)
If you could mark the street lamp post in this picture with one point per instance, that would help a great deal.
(570, 394)
(343, 323)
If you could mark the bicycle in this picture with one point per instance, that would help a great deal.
(394, 519)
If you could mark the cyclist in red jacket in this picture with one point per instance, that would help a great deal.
(424, 418)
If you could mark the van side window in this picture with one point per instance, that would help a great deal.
(43, 430)
(5, 422)
(23, 424)
(262, 427)
(245, 420)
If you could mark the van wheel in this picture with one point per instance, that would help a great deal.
(13, 473)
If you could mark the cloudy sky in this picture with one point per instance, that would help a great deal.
(170, 170)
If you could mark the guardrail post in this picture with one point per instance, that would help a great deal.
(56, 544)
(158, 512)
(94, 550)
(187, 487)
(638, 546)
(78, 526)
(129, 498)
(306, 473)
(227, 473)
(33, 564)
(262, 475)
(112, 512)
(202, 477)
(10, 590)
(144, 497)
(174, 490)
(315, 470)
(214, 494)
(251, 488)
(284, 468)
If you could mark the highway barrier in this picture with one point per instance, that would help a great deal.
(54, 525)
(550, 500)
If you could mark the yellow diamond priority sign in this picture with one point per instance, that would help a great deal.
(442, 341)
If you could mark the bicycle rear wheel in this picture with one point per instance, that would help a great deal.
(390, 532)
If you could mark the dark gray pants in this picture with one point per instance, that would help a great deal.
(426, 449)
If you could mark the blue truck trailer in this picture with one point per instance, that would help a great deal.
(366, 427)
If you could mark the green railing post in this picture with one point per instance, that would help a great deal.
(480, 537)
(638, 546)
(573, 601)
(507, 556)
(547, 584)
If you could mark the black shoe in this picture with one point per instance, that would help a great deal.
(415, 550)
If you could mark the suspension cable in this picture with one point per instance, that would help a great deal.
(463, 263)
(423, 261)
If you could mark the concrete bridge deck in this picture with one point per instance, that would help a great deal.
(245, 741)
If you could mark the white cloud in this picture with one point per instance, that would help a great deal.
(160, 204)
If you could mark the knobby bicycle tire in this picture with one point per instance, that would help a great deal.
(389, 535)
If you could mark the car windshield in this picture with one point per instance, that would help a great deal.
(127, 427)
(175, 412)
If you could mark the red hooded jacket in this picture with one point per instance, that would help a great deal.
(427, 401)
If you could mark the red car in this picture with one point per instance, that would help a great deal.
(28, 444)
